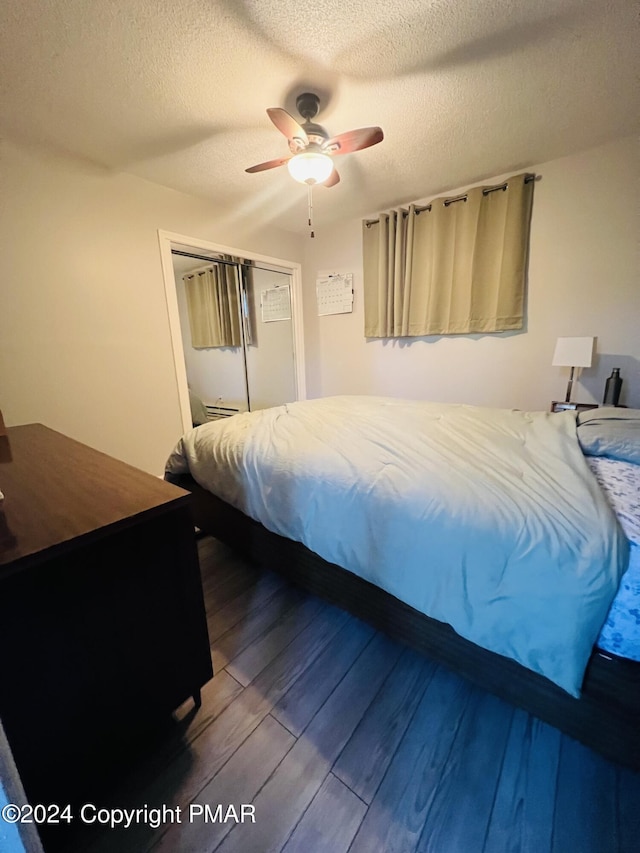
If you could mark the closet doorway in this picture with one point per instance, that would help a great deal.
(247, 354)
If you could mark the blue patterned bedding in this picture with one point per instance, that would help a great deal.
(620, 482)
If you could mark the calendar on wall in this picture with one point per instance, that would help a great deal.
(334, 293)
(276, 303)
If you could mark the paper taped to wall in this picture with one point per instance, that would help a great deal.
(334, 294)
(276, 303)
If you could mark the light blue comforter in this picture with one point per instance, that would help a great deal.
(487, 519)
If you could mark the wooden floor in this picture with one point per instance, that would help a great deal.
(344, 740)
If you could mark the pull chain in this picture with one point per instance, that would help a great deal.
(310, 194)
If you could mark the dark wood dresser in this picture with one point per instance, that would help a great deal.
(102, 622)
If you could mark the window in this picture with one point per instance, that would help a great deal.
(457, 266)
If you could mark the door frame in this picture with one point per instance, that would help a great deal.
(169, 240)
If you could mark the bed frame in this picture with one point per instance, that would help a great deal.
(606, 717)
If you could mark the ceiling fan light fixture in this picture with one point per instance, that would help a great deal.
(310, 167)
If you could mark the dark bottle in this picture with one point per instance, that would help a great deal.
(612, 388)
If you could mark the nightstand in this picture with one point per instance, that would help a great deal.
(558, 406)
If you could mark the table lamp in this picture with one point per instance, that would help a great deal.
(573, 352)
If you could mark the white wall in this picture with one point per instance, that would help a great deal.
(84, 333)
(583, 280)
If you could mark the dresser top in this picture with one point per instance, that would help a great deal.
(58, 491)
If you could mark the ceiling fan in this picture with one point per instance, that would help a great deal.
(312, 149)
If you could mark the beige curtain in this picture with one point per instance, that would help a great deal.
(212, 303)
(387, 256)
(457, 267)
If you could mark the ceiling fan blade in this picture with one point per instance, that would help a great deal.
(270, 164)
(353, 140)
(287, 125)
(333, 179)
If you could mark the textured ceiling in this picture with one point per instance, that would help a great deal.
(175, 91)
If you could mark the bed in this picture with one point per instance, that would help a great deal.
(504, 544)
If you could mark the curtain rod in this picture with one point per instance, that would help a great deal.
(462, 197)
(239, 262)
(204, 258)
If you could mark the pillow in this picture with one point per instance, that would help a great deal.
(610, 432)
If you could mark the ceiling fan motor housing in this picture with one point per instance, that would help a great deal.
(315, 132)
(308, 105)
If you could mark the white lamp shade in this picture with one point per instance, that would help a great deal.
(573, 352)
(310, 167)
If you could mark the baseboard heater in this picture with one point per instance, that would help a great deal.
(214, 412)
